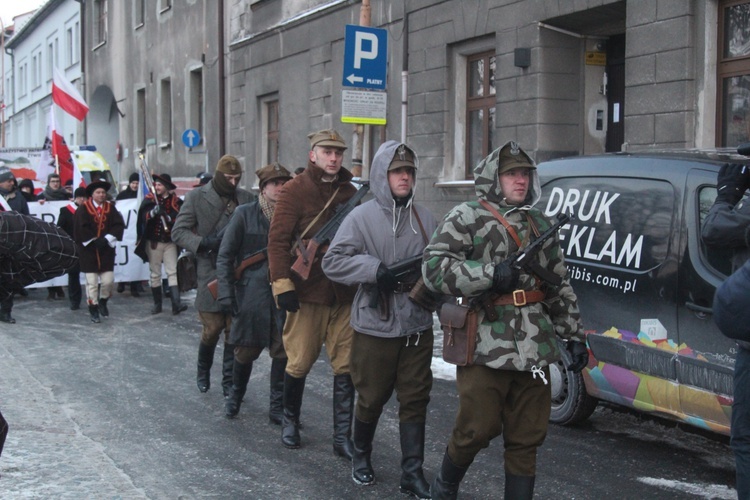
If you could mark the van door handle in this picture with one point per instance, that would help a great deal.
(701, 309)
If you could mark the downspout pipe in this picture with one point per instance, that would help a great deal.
(405, 78)
(222, 86)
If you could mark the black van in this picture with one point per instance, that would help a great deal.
(645, 283)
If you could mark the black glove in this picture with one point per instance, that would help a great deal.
(731, 183)
(157, 211)
(505, 278)
(227, 305)
(101, 243)
(288, 301)
(579, 354)
(209, 244)
(386, 279)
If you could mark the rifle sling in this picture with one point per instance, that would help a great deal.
(250, 261)
(312, 223)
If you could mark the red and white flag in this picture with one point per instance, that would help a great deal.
(56, 155)
(67, 96)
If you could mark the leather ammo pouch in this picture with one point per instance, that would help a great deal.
(459, 325)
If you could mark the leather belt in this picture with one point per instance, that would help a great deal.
(404, 287)
(520, 298)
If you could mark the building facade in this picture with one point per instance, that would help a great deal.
(43, 40)
(154, 69)
(561, 78)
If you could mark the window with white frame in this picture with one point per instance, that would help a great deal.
(140, 118)
(139, 13)
(165, 112)
(72, 44)
(195, 101)
(100, 22)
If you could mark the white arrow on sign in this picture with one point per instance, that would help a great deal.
(354, 79)
(191, 136)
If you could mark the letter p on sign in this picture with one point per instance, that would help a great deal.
(359, 51)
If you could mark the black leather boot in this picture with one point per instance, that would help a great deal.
(364, 432)
(177, 306)
(3, 432)
(412, 457)
(156, 292)
(94, 312)
(103, 308)
(205, 360)
(227, 367)
(343, 407)
(240, 376)
(446, 483)
(519, 487)
(293, 389)
(135, 288)
(276, 408)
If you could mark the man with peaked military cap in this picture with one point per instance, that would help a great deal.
(204, 214)
(506, 388)
(256, 322)
(317, 309)
(156, 218)
(98, 226)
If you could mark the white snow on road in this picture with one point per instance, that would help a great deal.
(713, 491)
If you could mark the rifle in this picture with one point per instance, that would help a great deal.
(250, 260)
(523, 258)
(306, 256)
(150, 185)
(401, 270)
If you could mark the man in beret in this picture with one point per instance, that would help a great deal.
(97, 227)
(66, 222)
(256, 322)
(205, 213)
(156, 218)
(318, 310)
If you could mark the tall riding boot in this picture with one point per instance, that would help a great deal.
(519, 487)
(227, 367)
(364, 432)
(94, 312)
(3, 432)
(293, 389)
(446, 483)
(103, 308)
(205, 360)
(177, 306)
(240, 376)
(156, 292)
(276, 409)
(343, 407)
(412, 457)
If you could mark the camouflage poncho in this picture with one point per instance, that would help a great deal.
(460, 261)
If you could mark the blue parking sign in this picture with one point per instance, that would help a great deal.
(365, 57)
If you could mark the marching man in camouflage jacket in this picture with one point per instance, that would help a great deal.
(506, 389)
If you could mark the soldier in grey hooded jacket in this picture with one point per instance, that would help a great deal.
(392, 343)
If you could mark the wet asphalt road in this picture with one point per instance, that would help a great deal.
(112, 411)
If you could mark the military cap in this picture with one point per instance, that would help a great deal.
(404, 157)
(329, 138)
(512, 156)
(271, 172)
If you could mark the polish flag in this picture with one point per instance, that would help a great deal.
(56, 155)
(67, 96)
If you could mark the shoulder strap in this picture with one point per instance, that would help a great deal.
(311, 224)
(502, 220)
(421, 226)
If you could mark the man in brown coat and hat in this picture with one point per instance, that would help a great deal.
(97, 227)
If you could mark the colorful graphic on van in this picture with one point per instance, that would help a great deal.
(652, 394)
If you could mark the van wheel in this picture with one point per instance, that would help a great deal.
(570, 401)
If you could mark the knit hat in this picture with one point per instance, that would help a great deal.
(272, 172)
(228, 164)
(6, 174)
(329, 138)
(80, 192)
(26, 183)
(133, 177)
(166, 180)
